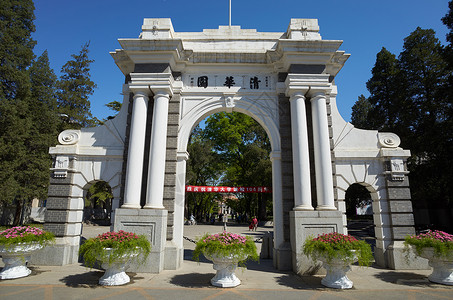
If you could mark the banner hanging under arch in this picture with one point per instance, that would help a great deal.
(228, 189)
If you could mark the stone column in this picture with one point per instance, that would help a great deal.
(301, 161)
(157, 151)
(136, 150)
(323, 161)
(277, 197)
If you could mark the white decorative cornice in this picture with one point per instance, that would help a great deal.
(155, 82)
(307, 84)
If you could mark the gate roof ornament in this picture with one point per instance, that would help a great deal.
(230, 44)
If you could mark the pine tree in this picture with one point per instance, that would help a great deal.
(74, 89)
(16, 47)
(360, 116)
(385, 93)
(411, 96)
(16, 55)
(43, 114)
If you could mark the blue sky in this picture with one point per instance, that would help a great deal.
(365, 26)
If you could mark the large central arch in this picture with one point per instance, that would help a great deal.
(263, 108)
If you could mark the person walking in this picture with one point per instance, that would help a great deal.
(255, 223)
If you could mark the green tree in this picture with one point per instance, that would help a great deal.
(244, 149)
(74, 90)
(428, 137)
(361, 113)
(42, 132)
(412, 97)
(202, 169)
(100, 194)
(16, 55)
(385, 93)
(16, 48)
(115, 106)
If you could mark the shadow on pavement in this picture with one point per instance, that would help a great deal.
(193, 280)
(406, 278)
(301, 282)
(86, 280)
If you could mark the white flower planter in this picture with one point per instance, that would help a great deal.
(225, 267)
(442, 267)
(336, 272)
(115, 272)
(15, 257)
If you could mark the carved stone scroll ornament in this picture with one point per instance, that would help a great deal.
(69, 137)
(388, 140)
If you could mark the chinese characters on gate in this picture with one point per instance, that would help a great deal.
(252, 82)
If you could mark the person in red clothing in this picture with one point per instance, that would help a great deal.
(255, 223)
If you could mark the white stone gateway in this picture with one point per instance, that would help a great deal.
(286, 82)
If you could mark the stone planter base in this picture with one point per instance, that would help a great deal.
(225, 267)
(336, 272)
(336, 276)
(442, 267)
(15, 257)
(115, 272)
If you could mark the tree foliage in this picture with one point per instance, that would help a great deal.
(17, 179)
(29, 120)
(203, 168)
(74, 89)
(361, 112)
(238, 149)
(412, 96)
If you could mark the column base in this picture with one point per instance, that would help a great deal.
(153, 207)
(151, 223)
(131, 206)
(306, 224)
(303, 207)
(325, 207)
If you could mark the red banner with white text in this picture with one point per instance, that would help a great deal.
(228, 189)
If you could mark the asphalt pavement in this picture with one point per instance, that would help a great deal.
(192, 280)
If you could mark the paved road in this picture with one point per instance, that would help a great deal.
(259, 281)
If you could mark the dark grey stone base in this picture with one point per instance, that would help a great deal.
(149, 222)
(305, 224)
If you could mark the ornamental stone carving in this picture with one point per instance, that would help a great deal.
(230, 102)
(69, 137)
(60, 166)
(388, 140)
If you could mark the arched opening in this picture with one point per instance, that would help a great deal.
(359, 213)
(233, 150)
(98, 198)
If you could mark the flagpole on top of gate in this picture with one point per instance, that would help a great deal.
(230, 15)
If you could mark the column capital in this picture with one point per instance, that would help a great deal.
(156, 83)
(316, 93)
(297, 95)
(306, 83)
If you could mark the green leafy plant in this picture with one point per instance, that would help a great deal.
(337, 245)
(440, 241)
(25, 234)
(225, 244)
(121, 243)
